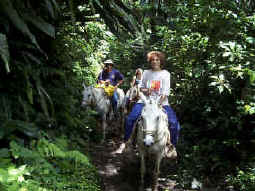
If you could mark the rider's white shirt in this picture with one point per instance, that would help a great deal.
(159, 81)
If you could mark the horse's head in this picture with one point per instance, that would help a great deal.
(153, 118)
(88, 96)
(133, 93)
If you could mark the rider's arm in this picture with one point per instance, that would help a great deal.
(165, 87)
(162, 98)
(120, 78)
(146, 91)
(100, 78)
(101, 81)
(144, 88)
(119, 83)
(133, 81)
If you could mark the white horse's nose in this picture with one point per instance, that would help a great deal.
(148, 140)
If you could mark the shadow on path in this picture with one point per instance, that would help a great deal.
(120, 172)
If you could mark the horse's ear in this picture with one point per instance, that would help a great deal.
(84, 86)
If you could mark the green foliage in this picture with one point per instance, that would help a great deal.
(210, 54)
(210, 51)
(244, 180)
(48, 167)
(33, 102)
(4, 51)
(213, 90)
(22, 43)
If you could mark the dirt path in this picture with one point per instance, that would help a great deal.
(120, 172)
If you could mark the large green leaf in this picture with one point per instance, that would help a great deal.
(55, 5)
(40, 24)
(32, 58)
(129, 19)
(251, 73)
(4, 153)
(43, 94)
(250, 40)
(4, 51)
(49, 99)
(49, 8)
(26, 128)
(7, 8)
(1, 133)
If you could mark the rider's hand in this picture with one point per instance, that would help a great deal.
(148, 91)
(162, 98)
(107, 83)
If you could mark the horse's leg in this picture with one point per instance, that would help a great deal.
(156, 173)
(142, 171)
(122, 128)
(104, 124)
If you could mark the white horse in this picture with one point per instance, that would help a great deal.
(97, 99)
(152, 137)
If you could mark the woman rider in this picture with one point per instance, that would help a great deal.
(155, 83)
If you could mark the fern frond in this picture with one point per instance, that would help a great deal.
(78, 157)
(62, 143)
(30, 157)
(48, 149)
(45, 148)
(21, 152)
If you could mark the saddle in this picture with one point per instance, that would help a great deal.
(109, 89)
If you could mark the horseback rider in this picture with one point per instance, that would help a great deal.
(155, 84)
(111, 76)
(135, 83)
(137, 79)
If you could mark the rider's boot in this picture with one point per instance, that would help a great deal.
(120, 149)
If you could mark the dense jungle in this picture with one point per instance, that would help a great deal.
(50, 48)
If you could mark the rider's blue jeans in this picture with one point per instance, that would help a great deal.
(114, 101)
(174, 126)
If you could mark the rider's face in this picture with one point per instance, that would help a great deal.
(108, 67)
(138, 73)
(155, 63)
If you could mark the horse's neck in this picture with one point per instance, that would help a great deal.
(134, 92)
(98, 95)
(163, 122)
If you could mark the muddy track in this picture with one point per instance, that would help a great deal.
(120, 172)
